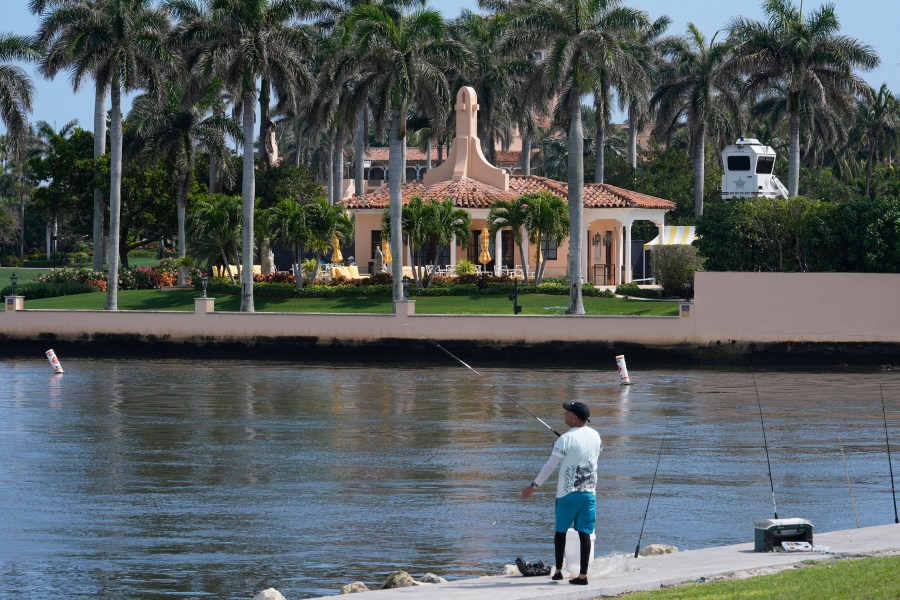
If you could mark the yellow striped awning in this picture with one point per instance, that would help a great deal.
(673, 235)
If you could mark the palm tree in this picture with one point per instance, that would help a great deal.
(697, 88)
(214, 225)
(877, 124)
(246, 41)
(512, 214)
(805, 54)
(446, 223)
(546, 221)
(325, 223)
(635, 87)
(174, 126)
(583, 36)
(121, 43)
(59, 31)
(289, 220)
(493, 73)
(16, 88)
(399, 58)
(16, 94)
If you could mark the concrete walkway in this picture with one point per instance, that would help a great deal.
(649, 573)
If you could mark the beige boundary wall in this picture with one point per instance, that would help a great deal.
(729, 308)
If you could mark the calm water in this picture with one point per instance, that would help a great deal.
(145, 479)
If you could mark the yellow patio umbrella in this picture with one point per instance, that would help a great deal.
(336, 255)
(485, 256)
(386, 251)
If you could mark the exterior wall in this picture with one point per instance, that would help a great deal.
(807, 307)
(741, 308)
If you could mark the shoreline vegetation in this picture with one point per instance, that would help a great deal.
(871, 577)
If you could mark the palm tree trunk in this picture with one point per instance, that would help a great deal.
(266, 126)
(428, 162)
(99, 150)
(699, 169)
(396, 204)
(869, 160)
(22, 211)
(403, 155)
(794, 155)
(576, 206)
(600, 139)
(525, 159)
(523, 258)
(213, 168)
(248, 193)
(338, 165)
(183, 186)
(329, 166)
(359, 152)
(632, 136)
(115, 195)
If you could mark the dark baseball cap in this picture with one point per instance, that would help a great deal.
(579, 409)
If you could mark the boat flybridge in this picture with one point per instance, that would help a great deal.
(748, 170)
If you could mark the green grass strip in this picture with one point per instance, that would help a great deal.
(857, 579)
(23, 275)
(532, 304)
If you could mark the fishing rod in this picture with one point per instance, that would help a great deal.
(890, 465)
(765, 445)
(652, 483)
(488, 381)
(847, 472)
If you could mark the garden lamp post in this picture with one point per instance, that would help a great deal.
(204, 281)
(13, 280)
(406, 288)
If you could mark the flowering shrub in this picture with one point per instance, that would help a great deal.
(275, 278)
(67, 275)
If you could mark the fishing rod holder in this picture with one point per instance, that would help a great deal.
(514, 298)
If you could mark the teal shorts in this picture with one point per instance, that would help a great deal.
(577, 507)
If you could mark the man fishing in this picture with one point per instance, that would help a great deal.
(575, 453)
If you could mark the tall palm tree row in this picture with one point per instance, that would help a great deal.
(175, 125)
(808, 56)
(122, 45)
(59, 31)
(583, 36)
(248, 42)
(400, 59)
(16, 94)
(698, 89)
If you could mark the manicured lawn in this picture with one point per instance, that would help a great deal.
(22, 275)
(871, 578)
(532, 304)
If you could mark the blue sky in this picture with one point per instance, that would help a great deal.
(871, 21)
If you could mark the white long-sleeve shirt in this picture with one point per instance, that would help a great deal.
(575, 453)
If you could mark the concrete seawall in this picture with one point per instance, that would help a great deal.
(821, 319)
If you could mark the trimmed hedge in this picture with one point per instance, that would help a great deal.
(632, 289)
(35, 290)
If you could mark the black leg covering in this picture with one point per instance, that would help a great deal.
(559, 544)
(585, 540)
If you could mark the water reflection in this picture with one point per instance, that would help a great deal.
(143, 479)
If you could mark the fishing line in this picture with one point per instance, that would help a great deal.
(652, 483)
(488, 381)
(890, 465)
(847, 472)
(765, 445)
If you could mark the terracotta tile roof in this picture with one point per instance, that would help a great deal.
(470, 193)
(596, 195)
(465, 193)
(382, 155)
